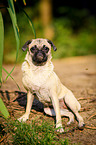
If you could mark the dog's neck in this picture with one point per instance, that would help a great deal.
(38, 74)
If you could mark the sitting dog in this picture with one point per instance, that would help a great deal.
(41, 82)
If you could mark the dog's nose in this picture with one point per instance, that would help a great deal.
(40, 56)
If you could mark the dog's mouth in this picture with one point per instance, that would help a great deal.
(39, 58)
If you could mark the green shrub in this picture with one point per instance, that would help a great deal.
(70, 43)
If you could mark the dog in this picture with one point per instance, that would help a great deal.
(41, 82)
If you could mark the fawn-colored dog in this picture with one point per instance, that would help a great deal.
(40, 81)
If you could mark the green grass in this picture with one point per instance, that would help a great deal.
(37, 132)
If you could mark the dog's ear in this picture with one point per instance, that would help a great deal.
(26, 45)
(50, 42)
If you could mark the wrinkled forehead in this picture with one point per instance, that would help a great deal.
(39, 43)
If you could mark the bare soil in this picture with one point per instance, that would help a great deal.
(76, 73)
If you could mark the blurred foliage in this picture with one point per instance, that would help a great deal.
(74, 34)
(70, 43)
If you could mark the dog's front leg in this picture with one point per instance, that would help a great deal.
(30, 98)
(55, 103)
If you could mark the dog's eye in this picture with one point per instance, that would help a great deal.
(46, 49)
(32, 49)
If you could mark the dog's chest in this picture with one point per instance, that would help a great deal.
(35, 81)
(41, 91)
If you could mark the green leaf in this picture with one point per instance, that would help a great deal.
(3, 109)
(11, 5)
(11, 77)
(11, 11)
(30, 22)
(24, 1)
(1, 45)
(15, 26)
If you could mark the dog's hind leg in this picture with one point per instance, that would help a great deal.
(67, 113)
(30, 98)
(74, 106)
(64, 112)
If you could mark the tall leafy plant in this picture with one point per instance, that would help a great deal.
(11, 10)
(1, 45)
(2, 106)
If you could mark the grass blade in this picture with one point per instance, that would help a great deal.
(29, 20)
(3, 109)
(1, 45)
(11, 11)
(24, 1)
(31, 23)
(11, 77)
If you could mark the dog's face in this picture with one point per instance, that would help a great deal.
(40, 50)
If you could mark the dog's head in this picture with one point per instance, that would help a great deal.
(40, 50)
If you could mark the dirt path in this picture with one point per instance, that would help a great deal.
(79, 75)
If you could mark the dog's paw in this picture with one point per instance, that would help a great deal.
(23, 118)
(81, 125)
(59, 128)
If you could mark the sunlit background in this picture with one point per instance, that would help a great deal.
(71, 25)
